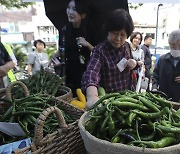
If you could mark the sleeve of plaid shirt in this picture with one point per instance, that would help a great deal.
(91, 76)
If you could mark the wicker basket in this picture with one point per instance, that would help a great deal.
(12, 85)
(2, 105)
(65, 140)
(6, 93)
(98, 146)
(64, 93)
(2, 92)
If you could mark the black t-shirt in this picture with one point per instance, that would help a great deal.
(72, 52)
(4, 56)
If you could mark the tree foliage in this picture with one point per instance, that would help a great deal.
(14, 3)
(134, 5)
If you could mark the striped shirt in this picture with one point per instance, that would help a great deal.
(102, 69)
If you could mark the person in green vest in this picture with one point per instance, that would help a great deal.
(10, 75)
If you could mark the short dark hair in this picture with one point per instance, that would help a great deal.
(119, 20)
(147, 36)
(134, 35)
(40, 41)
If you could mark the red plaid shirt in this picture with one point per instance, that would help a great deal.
(102, 69)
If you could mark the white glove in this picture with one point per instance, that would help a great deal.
(91, 95)
(91, 100)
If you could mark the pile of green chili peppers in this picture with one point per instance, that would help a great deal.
(139, 119)
(26, 110)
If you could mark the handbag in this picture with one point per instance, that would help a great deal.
(144, 83)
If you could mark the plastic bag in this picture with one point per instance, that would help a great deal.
(144, 83)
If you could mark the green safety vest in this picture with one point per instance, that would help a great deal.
(10, 74)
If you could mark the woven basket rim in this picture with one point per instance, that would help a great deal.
(68, 95)
(10, 87)
(117, 145)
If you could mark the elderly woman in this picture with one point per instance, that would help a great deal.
(111, 61)
(166, 74)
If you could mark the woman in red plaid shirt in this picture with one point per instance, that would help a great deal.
(102, 69)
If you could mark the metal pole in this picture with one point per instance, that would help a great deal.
(157, 26)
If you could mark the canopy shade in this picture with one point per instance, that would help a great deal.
(98, 11)
(153, 1)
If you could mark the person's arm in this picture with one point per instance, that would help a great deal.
(29, 70)
(91, 78)
(83, 42)
(131, 64)
(6, 67)
(147, 59)
(155, 77)
(31, 60)
(10, 52)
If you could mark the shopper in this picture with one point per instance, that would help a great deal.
(138, 55)
(77, 48)
(38, 59)
(102, 69)
(166, 74)
(147, 58)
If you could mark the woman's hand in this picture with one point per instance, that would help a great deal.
(131, 64)
(6, 67)
(140, 63)
(82, 41)
(177, 79)
(3, 72)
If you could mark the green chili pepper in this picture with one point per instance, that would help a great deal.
(7, 113)
(165, 123)
(105, 122)
(164, 142)
(31, 104)
(128, 99)
(165, 129)
(130, 105)
(148, 103)
(123, 92)
(111, 124)
(27, 112)
(175, 124)
(148, 137)
(115, 139)
(120, 118)
(91, 126)
(130, 118)
(174, 114)
(121, 112)
(169, 129)
(102, 99)
(25, 123)
(29, 120)
(101, 110)
(162, 101)
(151, 115)
(30, 109)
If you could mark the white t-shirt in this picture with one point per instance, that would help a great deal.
(38, 60)
(138, 54)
